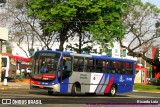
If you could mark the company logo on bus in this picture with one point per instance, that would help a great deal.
(97, 77)
(121, 78)
(129, 79)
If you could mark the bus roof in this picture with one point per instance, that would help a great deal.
(113, 58)
(90, 56)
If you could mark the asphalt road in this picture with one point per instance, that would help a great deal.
(25, 96)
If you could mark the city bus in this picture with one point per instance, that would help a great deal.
(66, 72)
(8, 68)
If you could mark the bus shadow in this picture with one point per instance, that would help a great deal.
(76, 96)
(84, 95)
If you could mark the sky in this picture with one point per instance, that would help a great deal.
(155, 2)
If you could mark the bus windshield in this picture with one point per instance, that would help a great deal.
(45, 63)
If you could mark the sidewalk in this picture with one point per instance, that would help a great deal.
(145, 91)
(17, 84)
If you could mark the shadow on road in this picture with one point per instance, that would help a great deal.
(78, 95)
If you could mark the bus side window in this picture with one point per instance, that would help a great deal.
(116, 66)
(123, 66)
(119, 67)
(78, 64)
(107, 67)
(89, 65)
(104, 66)
(99, 66)
(75, 64)
(112, 67)
(129, 68)
(67, 65)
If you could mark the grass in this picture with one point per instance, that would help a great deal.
(142, 87)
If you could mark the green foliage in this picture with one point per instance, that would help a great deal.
(74, 47)
(8, 47)
(142, 87)
(101, 18)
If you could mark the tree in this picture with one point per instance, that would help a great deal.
(142, 29)
(100, 18)
(2, 3)
(8, 47)
(14, 19)
(84, 44)
(24, 30)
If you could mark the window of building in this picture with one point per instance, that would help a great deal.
(116, 50)
(108, 51)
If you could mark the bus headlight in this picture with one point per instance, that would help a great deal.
(45, 78)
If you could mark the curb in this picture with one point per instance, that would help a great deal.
(8, 88)
(14, 85)
(145, 91)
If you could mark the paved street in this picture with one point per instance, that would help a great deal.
(20, 91)
(80, 99)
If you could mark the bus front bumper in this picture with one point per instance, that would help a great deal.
(54, 88)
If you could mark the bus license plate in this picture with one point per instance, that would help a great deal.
(41, 86)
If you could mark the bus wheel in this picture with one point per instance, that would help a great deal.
(75, 89)
(50, 92)
(113, 91)
(2, 76)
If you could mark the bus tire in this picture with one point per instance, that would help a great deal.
(113, 90)
(50, 93)
(2, 77)
(75, 89)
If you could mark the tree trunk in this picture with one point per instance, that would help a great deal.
(80, 44)
(32, 41)
(62, 40)
(61, 46)
(63, 37)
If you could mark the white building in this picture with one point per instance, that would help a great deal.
(115, 51)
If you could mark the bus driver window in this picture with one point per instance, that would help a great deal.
(67, 64)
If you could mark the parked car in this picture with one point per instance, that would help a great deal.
(154, 81)
(28, 70)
